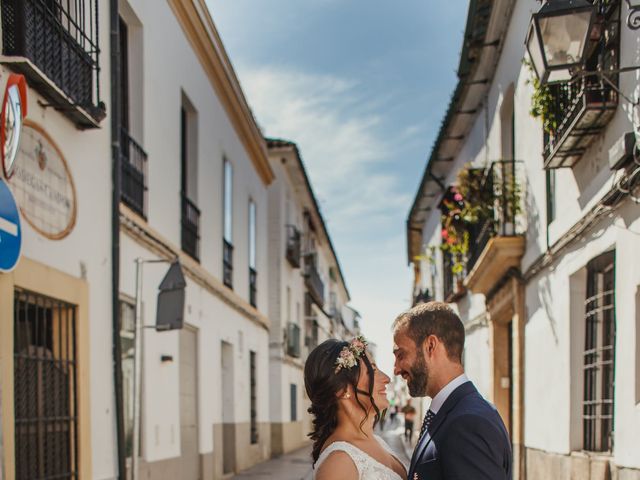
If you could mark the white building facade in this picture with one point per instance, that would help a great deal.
(307, 293)
(55, 307)
(546, 284)
(195, 174)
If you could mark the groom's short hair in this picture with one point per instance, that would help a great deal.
(433, 318)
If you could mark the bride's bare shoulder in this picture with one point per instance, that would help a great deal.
(338, 464)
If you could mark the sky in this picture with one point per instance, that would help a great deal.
(361, 87)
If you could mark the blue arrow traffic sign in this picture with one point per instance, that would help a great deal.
(10, 231)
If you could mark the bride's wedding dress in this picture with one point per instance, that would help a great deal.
(368, 467)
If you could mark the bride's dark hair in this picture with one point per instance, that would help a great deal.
(323, 384)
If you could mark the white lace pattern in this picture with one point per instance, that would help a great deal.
(368, 467)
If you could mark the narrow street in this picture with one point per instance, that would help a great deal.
(297, 465)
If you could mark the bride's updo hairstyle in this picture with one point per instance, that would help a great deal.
(323, 384)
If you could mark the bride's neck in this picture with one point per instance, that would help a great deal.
(349, 424)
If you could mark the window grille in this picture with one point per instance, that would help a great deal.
(227, 264)
(45, 387)
(599, 355)
(253, 287)
(294, 402)
(253, 398)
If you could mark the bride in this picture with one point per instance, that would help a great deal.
(348, 394)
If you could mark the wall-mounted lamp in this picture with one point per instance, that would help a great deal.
(557, 38)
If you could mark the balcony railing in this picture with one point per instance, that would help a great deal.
(502, 184)
(59, 41)
(496, 240)
(314, 283)
(227, 263)
(583, 107)
(293, 340)
(293, 246)
(133, 162)
(253, 289)
(190, 227)
(311, 333)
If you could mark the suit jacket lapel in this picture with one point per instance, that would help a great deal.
(453, 399)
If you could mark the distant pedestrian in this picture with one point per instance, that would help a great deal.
(409, 417)
(393, 412)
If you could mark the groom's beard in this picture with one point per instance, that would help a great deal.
(418, 378)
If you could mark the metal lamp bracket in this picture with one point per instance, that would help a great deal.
(633, 18)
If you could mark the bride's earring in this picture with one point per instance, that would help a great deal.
(346, 395)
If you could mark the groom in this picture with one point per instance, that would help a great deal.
(462, 436)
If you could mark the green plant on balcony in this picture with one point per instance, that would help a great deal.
(542, 102)
(456, 217)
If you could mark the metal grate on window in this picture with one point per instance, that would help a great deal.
(254, 397)
(599, 356)
(45, 389)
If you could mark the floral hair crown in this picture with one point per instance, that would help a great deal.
(350, 354)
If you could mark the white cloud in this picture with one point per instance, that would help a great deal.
(336, 132)
(340, 136)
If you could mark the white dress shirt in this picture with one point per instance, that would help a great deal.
(441, 397)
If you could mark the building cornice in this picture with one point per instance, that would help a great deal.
(195, 20)
(141, 232)
(485, 31)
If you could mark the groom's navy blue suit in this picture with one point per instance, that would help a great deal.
(467, 440)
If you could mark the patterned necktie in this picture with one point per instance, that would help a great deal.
(426, 423)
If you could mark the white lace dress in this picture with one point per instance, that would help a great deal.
(368, 467)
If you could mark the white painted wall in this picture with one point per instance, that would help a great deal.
(86, 251)
(165, 84)
(553, 368)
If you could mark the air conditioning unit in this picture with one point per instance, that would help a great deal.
(621, 152)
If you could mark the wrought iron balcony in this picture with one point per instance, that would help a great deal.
(253, 289)
(311, 333)
(314, 283)
(55, 45)
(451, 282)
(497, 240)
(293, 246)
(190, 235)
(583, 108)
(227, 263)
(580, 109)
(133, 163)
(293, 340)
(502, 217)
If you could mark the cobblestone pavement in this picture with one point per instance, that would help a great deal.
(297, 465)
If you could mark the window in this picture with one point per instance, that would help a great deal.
(599, 355)
(252, 254)
(227, 254)
(60, 41)
(253, 397)
(551, 196)
(45, 386)
(190, 235)
(127, 351)
(133, 158)
(294, 402)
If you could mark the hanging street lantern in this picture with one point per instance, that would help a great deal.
(558, 37)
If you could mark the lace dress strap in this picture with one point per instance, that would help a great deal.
(358, 457)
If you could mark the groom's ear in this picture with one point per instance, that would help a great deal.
(429, 345)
